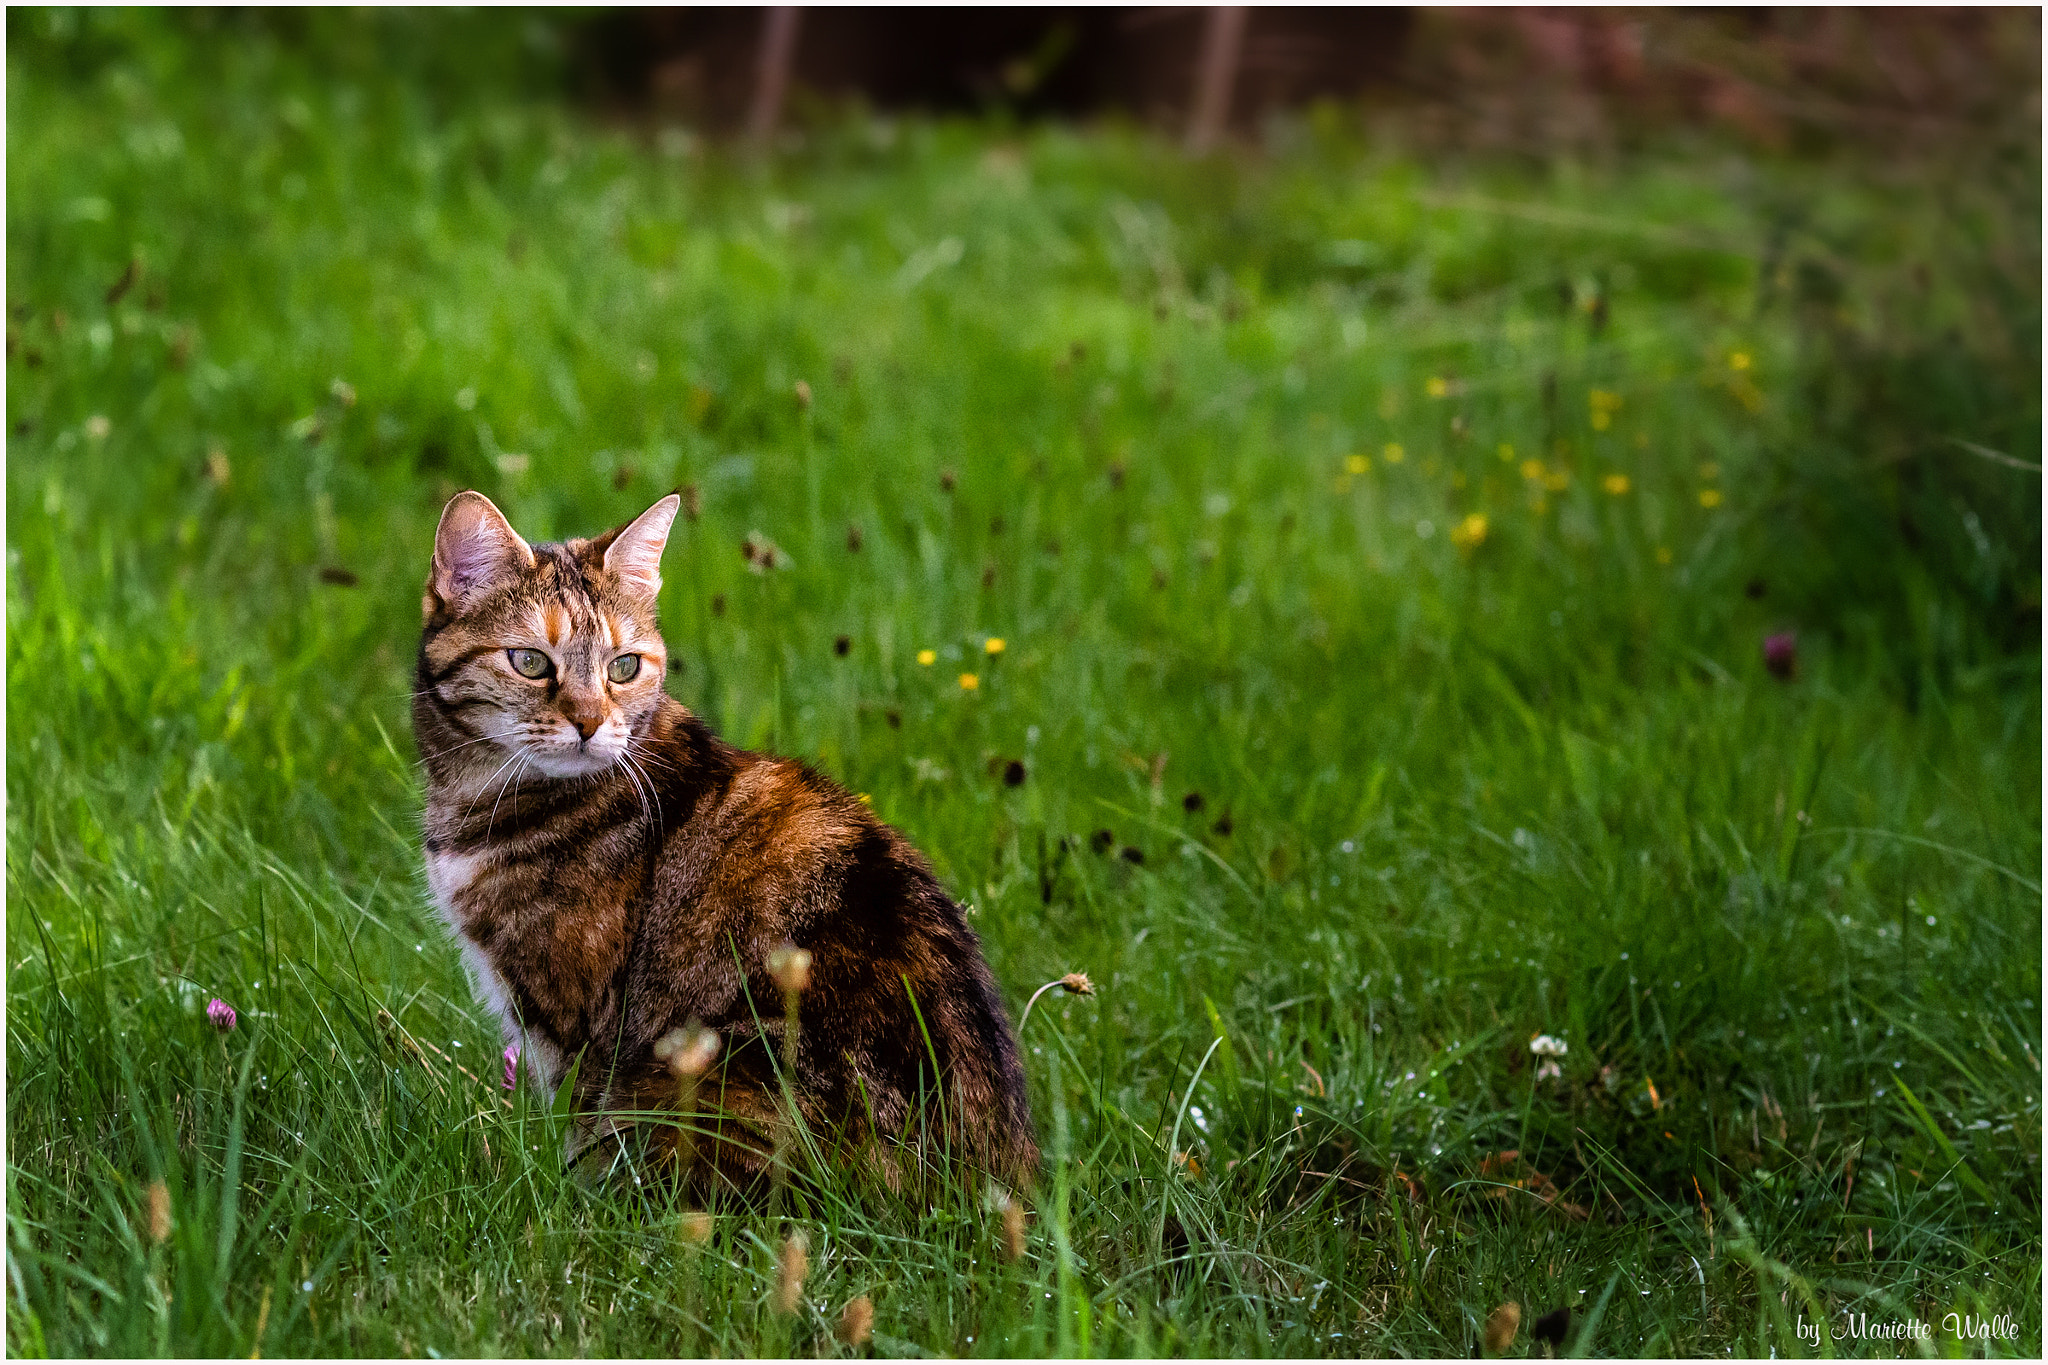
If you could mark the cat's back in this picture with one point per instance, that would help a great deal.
(765, 837)
(779, 853)
(784, 855)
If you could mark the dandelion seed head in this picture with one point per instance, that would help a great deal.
(857, 1321)
(792, 1266)
(1013, 1230)
(790, 966)
(1501, 1326)
(159, 1211)
(690, 1050)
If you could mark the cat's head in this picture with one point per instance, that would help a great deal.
(546, 652)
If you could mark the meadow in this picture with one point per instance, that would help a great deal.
(1320, 592)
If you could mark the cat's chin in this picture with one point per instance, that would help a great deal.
(571, 762)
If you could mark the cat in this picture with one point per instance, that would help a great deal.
(614, 873)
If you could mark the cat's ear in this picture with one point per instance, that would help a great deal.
(634, 555)
(474, 549)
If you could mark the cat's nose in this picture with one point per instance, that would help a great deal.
(586, 726)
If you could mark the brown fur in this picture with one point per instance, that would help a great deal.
(603, 907)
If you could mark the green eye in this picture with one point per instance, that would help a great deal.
(625, 668)
(530, 663)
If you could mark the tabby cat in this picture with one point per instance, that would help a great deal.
(614, 872)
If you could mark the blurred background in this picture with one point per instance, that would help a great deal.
(1513, 78)
(1913, 335)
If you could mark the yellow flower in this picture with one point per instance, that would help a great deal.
(1602, 420)
(1356, 464)
(1532, 470)
(995, 645)
(1738, 360)
(1710, 497)
(1616, 484)
(1437, 387)
(1392, 453)
(1506, 453)
(1603, 400)
(927, 657)
(1469, 533)
(1663, 554)
(968, 682)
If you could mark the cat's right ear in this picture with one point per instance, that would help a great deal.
(475, 549)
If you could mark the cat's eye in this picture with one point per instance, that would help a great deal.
(625, 668)
(529, 663)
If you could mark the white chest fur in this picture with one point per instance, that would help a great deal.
(451, 877)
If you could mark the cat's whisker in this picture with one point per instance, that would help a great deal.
(643, 759)
(643, 787)
(492, 822)
(647, 758)
(470, 809)
(646, 749)
(625, 771)
(652, 791)
(646, 813)
(644, 756)
(453, 748)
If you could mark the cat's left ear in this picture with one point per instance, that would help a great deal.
(634, 556)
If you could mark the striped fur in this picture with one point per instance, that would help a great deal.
(613, 871)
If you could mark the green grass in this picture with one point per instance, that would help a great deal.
(1098, 402)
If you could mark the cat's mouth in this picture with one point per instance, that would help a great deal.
(572, 755)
